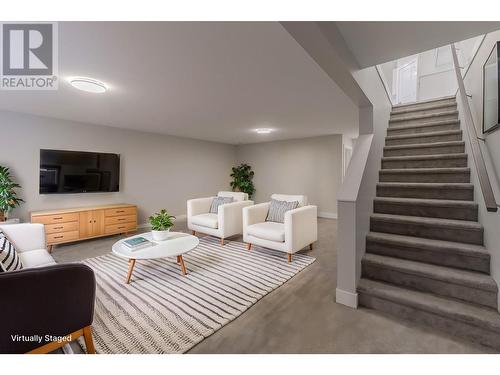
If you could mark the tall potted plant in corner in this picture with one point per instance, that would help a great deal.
(161, 222)
(242, 179)
(8, 195)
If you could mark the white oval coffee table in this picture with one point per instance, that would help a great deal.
(176, 244)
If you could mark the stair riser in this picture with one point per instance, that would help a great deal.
(427, 129)
(386, 176)
(423, 111)
(427, 193)
(420, 140)
(419, 121)
(460, 234)
(430, 150)
(426, 163)
(418, 106)
(457, 213)
(426, 284)
(458, 328)
(431, 256)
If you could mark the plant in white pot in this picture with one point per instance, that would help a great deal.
(161, 222)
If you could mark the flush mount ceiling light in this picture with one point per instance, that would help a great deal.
(88, 85)
(263, 130)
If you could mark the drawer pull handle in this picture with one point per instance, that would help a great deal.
(58, 237)
(119, 211)
(121, 227)
(120, 219)
(57, 218)
(58, 227)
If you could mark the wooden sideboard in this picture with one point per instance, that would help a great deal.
(75, 224)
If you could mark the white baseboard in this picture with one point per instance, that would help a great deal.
(327, 215)
(346, 298)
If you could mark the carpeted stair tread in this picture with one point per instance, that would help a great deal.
(424, 116)
(429, 221)
(451, 275)
(448, 308)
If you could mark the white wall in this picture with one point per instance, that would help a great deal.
(491, 152)
(156, 171)
(310, 166)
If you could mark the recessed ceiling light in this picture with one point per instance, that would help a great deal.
(88, 85)
(263, 130)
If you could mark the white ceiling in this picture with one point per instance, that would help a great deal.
(214, 81)
(374, 43)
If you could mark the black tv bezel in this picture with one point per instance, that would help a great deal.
(78, 192)
(497, 126)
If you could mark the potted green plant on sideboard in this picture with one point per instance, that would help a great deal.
(161, 222)
(242, 179)
(8, 195)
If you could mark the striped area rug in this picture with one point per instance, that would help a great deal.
(162, 311)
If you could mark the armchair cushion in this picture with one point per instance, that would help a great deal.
(268, 231)
(36, 258)
(302, 199)
(206, 220)
(214, 208)
(236, 195)
(277, 210)
(9, 258)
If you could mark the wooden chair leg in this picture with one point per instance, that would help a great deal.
(50, 248)
(289, 258)
(249, 246)
(222, 241)
(89, 342)
(310, 246)
(193, 232)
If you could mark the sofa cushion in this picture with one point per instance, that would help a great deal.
(277, 210)
(36, 258)
(9, 258)
(268, 231)
(206, 220)
(214, 208)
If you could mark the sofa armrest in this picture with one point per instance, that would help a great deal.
(199, 206)
(25, 237)
(230, 217)
(255, 214)
(301, 227)
(53, 300)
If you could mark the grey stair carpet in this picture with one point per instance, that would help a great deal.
(163, 311)
(425, 260)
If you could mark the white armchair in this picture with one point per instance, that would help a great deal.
(300, 227)
(225, 223)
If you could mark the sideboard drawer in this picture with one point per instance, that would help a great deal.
(120, 211)
(60, 218)
(120, 228)
(120, 219)
(62, 227)
(62, 237)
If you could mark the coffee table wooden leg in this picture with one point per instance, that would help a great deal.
(131, 264)
(183, 267)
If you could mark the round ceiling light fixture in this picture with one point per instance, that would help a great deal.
(263, 131)
(88, 85)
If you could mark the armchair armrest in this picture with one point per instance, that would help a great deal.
(54, 300)
(255, 214)
(25, 237)
(230, 217)
(199, 206)
(301, 227)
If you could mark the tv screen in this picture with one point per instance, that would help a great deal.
(64, 172)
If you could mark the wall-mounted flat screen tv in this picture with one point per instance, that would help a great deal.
(65, 172)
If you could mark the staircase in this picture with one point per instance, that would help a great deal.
(425, 259)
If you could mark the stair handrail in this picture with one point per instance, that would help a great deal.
(482, 172)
